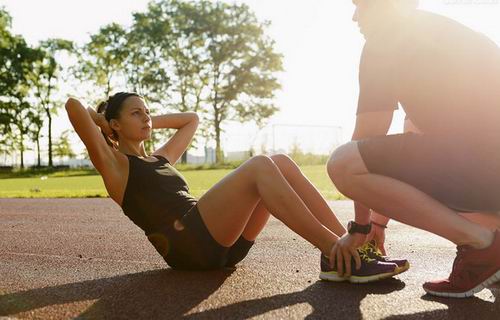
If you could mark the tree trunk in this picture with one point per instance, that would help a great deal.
(184, 157)
(108, 87)
(50, 137)
(219, 156)
(39, 162)
(21, 137)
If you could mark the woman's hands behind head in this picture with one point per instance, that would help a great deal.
(102, 123)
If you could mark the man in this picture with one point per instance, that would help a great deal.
(447, 79)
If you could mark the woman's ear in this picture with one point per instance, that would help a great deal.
(114, 125)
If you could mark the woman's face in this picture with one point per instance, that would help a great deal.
(134, 122)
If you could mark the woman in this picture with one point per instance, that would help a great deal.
(218, 229)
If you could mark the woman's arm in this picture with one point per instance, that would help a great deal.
(186, 124)
(86, 124)
(100, 121)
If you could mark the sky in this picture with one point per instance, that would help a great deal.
(320, 43)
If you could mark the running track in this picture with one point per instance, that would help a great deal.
(68, 258)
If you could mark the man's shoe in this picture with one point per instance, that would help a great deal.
(373, 252)
(494, 285)
(371, 270)
(473, 270)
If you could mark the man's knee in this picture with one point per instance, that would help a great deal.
(344, 162)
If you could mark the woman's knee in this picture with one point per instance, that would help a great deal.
(284, 162)
(262, 162)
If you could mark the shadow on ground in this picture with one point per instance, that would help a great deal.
(470, 308)
(166, 293)
(145, 295)
(327, 300)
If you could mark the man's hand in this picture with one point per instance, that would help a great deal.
(378, 234)
(344, 250)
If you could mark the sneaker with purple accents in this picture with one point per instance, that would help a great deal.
(373, 252)
(371, 270)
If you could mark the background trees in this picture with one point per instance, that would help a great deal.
(219, 61)
(16, 69)
(210, 57)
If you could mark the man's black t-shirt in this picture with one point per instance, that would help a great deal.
(445, 76)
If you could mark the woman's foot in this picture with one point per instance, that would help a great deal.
(371, 270)
(373, 252)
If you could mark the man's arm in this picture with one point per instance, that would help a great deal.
(369, 125)
(372, 124)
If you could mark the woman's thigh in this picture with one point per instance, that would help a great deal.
(226, 207)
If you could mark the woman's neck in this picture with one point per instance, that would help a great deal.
(132, 148)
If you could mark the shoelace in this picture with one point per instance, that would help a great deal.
(364, 253)
(372, 247)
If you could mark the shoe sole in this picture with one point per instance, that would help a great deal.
(334, 277)
(483, 285)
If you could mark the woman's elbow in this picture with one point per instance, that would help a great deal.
(195, 118)
(70, 103)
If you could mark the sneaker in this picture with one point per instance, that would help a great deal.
(494, 285)
(371, 270)
(473, 270)
(373, 252)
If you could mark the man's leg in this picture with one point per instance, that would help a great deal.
(405, 203)
(401, 201)
(490, 221)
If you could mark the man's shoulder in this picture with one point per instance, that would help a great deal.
(429, 25)
(421, 31)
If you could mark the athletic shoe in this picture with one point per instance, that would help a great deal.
(373, 252)
(473, 270)
(371, 270)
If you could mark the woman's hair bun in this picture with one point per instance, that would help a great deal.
(101, 107)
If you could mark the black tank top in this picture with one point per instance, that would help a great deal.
(156, 194)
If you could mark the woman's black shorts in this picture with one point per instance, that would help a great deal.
(465, 176)
(194, 248)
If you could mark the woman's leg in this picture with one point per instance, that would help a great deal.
(305, 190)
(227, 207)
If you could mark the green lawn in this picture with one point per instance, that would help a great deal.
(81, 184)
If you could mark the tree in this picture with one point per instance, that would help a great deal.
(240, 65)
(6, 43)
(35, 135)
(16, 69)
(63, 146)
(204, 56)
(101, 60)
(166, 37)
(45, 78)
(220, 60)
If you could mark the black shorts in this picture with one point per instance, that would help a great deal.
(194, 248)
(465, 176)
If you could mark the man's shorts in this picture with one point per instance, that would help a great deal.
(465, 176)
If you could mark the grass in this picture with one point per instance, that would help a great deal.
(87, 183)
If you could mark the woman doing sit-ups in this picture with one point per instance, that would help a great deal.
(218, 229)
